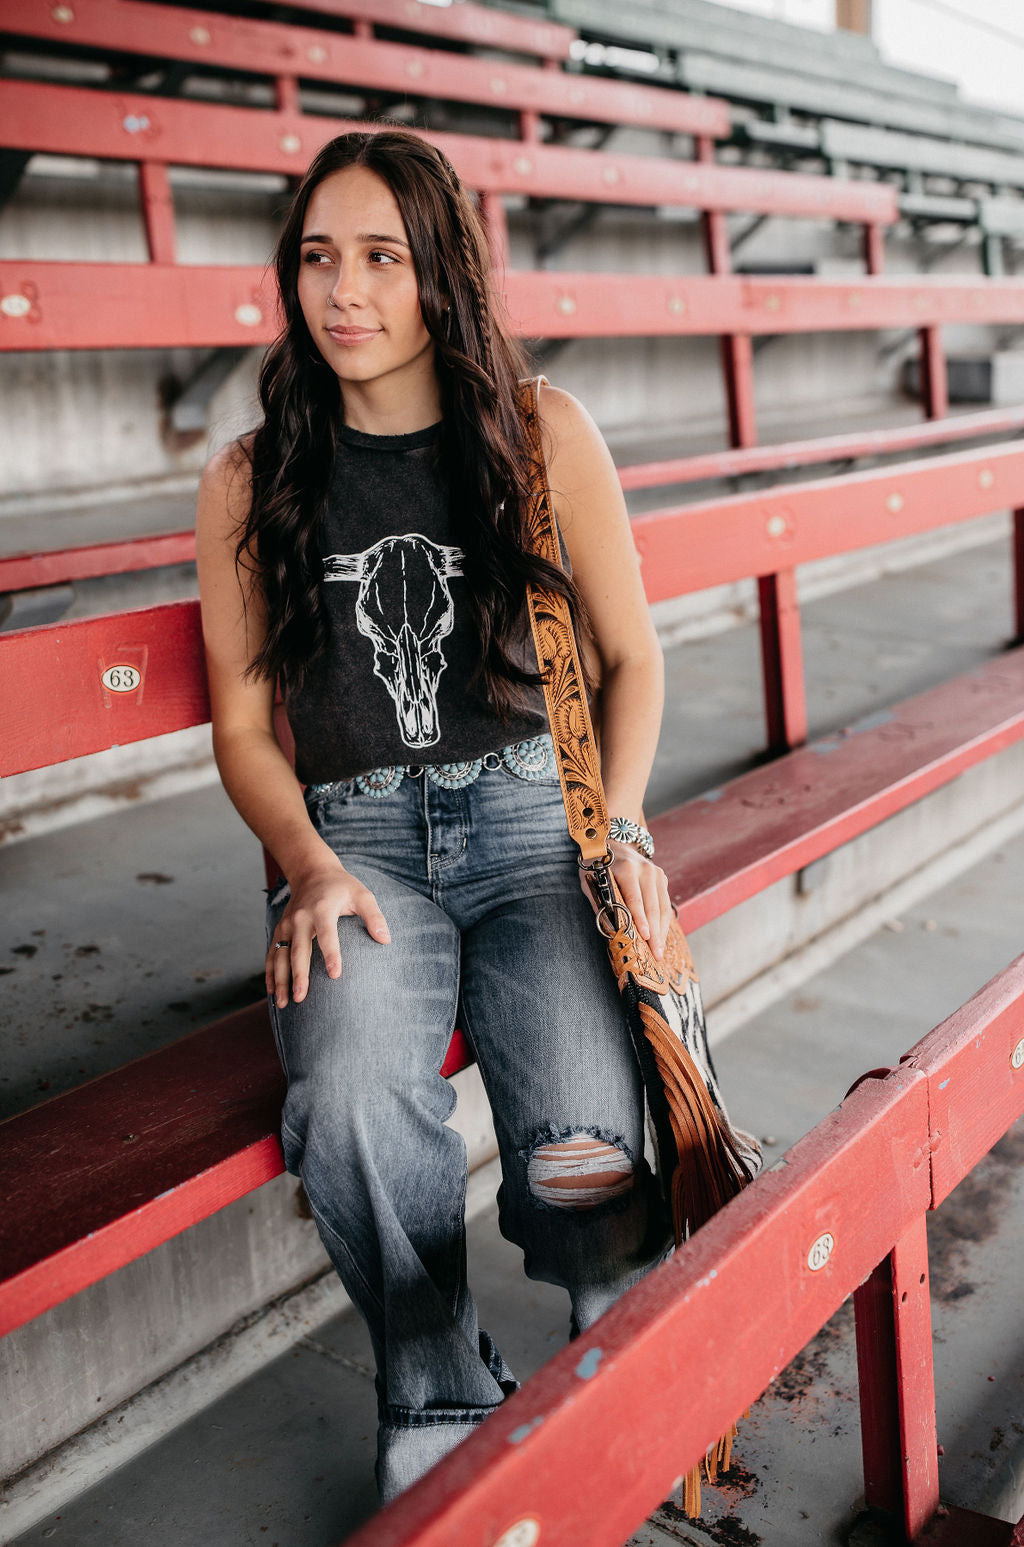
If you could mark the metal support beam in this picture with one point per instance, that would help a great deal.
(1018, 575)
(492, 208)
(934, 384)
(782, 661)
(189, 401)
(12, 166)
(854, 16)
(157, 211)
(894, 1361)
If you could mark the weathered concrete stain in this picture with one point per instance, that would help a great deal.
(970, 1215)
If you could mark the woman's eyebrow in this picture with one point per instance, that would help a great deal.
(363, 236)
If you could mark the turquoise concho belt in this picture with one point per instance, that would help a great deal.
(530, 760)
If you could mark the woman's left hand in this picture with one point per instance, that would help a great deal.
(644, 888)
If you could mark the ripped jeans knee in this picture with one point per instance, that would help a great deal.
(578, 1171)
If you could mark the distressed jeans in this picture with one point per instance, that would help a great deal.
(490, 931)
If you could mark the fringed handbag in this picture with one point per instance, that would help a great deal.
(702, 1160)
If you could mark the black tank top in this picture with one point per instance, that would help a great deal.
(392, 686)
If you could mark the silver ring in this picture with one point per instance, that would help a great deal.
(281, 945)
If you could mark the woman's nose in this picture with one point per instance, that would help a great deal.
(347, 289)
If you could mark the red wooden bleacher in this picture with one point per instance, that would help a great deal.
(665, 1371)
(717, 850)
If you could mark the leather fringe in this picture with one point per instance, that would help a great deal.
(708, 1172)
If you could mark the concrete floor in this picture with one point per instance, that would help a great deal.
(286, 1457)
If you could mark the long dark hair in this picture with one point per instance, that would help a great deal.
(482, 447)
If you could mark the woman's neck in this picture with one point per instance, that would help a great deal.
(377, 408)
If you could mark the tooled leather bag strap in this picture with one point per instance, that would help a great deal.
(572, 729)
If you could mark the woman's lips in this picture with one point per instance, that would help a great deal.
(352, 335)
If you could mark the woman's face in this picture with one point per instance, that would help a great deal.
(357, 284)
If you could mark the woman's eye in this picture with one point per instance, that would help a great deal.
(315, 258)
(388, 257)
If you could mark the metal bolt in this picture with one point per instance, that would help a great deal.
(525, 1533)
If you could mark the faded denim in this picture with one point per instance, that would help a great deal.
(490, 931)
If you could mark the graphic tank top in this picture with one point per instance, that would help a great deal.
(392, 686)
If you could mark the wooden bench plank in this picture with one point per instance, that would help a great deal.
(277, 49)
(55, 305)
(484, 25)
(97, 1177)
(974, 1064)
(60, 706)
(62, 698)
(677, 1359)
(693, 547)
(731, 842)
(76, 120)
(779, 45)
(826, 99)
(871, 146)
(787, 455)
(23, 571)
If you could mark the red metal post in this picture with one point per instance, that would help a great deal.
(911, 1304)
(157, 211)
(781, 654)
(934, 387)
(737, 355)
(782, 661)
(286, 90)
(1018, 575)
(496, 226)
(874, 247)
(529, 127)
(876, 1378)
(894, 1360)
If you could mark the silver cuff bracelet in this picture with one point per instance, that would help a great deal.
(625, 831)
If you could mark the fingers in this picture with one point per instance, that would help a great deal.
(366, 907)
(644, 888)
(290, 955)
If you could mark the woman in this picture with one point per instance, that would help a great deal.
(366, 545)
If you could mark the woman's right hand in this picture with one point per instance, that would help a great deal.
(319, 898)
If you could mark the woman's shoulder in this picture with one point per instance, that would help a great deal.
(224, 487)
(573, 439)
(229, 461)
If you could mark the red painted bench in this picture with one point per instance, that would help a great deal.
(717, 850)
(41, 566)
(679, 1357)
(283, 51)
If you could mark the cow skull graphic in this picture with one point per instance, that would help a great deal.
(405, 607)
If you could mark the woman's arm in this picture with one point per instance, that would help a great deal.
(592, 514)
(256, 774)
